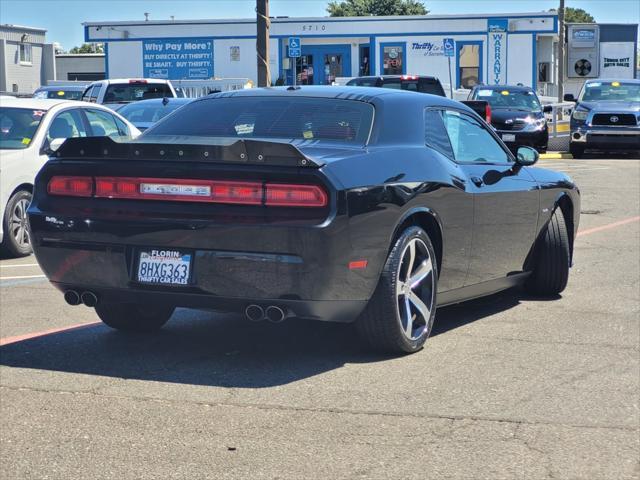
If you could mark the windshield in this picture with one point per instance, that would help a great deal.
(136, 91)
(610, 91)
(325, 119)
(18, 127)
(505, 98)
(141, 113)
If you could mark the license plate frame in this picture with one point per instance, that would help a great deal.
(159, 265)
(509, 137)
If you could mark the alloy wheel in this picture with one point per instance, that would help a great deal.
(19, 226)
(415, 288)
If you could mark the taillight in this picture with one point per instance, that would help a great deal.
(71, 186)
(487, 113)
(218, 191)
(295, 195)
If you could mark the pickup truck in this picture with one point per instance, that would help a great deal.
(421, 84)
(116, 92)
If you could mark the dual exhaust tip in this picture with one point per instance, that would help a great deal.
(74, 298)
(272, 313)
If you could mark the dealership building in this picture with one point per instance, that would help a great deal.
(509, 48)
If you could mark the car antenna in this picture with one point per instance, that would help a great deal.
(291, 87)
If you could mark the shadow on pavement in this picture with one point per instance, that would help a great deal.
(202, 348)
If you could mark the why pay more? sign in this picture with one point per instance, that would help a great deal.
(178, 59)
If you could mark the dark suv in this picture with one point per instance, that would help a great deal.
(516, 114)
(606, 116)
(414, 83)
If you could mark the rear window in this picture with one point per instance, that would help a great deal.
(136, 91)
(324, 119)
(422, 85)
(363, 82)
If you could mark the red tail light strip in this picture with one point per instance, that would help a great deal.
(182, 190)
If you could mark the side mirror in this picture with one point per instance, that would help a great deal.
(526, 156)
(547, 109)
(568, 97)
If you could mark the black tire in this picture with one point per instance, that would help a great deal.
(552, 258)
(577, 151)
(11, 245)
(133, 317)
(381, 324)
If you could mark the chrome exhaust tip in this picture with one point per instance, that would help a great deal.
(255, 313)
(274, 314)
(72, 297)
(89, 299)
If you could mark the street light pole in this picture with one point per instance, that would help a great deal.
(262, 42)
(561, 52)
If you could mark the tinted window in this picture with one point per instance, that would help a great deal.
(432, 86)
(66, 94)
(363, 82)
(131, 92)
(67, 125)
(145, 113)
(18, 127)
(271, 117)
(103, 124)
(470, 142)
(93, 96)
(435, 134)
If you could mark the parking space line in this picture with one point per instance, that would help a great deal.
(19, 277)
(20, 265)
(28, 336)
(608, 226)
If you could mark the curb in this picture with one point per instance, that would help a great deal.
(556, 156)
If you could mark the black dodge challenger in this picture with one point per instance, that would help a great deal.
(340, 204)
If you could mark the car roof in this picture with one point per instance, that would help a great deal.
(68, 88)
(404, 77)
(111, 81)
(621, 80)
(33, 103)
(153, 101)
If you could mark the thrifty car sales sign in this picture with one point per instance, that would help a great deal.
(178, 59)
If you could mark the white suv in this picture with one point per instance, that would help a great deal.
(29, 130)
(119, 91)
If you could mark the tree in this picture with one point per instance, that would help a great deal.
(88, 48)
(362, 8)
(576, 15)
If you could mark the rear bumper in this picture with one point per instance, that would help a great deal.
(301, 267)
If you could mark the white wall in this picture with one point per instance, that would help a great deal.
(125, 59)
(26, 76)
(519, 59)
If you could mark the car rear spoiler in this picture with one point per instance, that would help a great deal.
(243, 151)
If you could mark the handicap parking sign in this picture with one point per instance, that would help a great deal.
(294, 47)
(448, 45)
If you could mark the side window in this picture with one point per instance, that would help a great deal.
(67, 124)
(94, 93)
(470, 141)
(122, 127)
(435, 135)
(103, 124)
(86, 94)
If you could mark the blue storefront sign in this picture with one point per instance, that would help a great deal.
(179, 59)
(497, 30)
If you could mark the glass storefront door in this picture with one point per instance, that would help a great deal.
(321, 64)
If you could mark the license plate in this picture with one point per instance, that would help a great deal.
(165, 267)
(508, 137)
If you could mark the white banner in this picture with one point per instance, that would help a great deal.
(616, 60)
(497, 52)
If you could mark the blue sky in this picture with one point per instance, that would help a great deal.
(63, 18)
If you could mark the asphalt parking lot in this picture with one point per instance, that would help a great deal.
(509, 386)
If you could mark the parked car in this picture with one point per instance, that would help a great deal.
(30, 130)
(417, 83)
(118, 91)
(286, 202)
(60, 92)
(517, 115)
(145, 113)
(606, 117)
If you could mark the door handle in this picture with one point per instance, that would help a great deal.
(477, 181)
